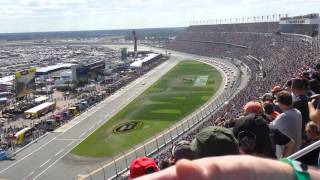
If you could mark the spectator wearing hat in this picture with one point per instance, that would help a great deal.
(142, 166)
(214, 141)
(289, 122)
(182, 150)
(298, 88)
(253, 132)
(267, 97)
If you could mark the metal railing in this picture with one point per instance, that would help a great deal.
(305, 150)
(118, 166)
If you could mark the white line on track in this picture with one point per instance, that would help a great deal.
(50, 166)
(91, 128)
(71, 143)
(68, 139)
(45, 163)
(81, 135)
(59, 152)
(30, 174)
(29, 154)
(99, 121)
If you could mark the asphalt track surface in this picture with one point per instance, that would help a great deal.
(49, 158)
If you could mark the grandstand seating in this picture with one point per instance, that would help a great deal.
(280, 57)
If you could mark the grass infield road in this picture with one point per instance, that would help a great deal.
(178, 93)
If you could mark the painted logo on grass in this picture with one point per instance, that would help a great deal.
(128, 126)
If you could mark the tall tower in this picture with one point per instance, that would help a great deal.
(135, 46)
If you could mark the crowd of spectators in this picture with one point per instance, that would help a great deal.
(276, 115)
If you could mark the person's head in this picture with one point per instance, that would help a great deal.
(182, 150)
(253, 132)
(312, 131)
(284, 99)
(276, 90)
(142, 166)
(214, 141)
(314, 86)
(317, 67)
(253, 107)
(268, 108)
(298, 87)
(164, 164)
(267, 97)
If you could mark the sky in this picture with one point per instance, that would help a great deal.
(75, 15)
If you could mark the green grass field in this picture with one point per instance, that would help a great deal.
(178, 93)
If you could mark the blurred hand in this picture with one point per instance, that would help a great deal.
(227, 168)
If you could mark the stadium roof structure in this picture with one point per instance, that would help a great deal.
(55, 67)
(139, 62)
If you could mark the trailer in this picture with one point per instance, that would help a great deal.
(43, 108)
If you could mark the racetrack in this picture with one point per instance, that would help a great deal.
(181, 91)
(49, 158)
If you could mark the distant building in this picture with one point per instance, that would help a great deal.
(145, 61)
(49, 70)
(7, 83)
(306, 25)
(124, 54)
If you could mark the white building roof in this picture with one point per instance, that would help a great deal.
(41, 99)
(139, 62)
(40, 107)
(55, 67)
(6, 79)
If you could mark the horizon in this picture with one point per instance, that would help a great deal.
(23, 16)
(92, 30)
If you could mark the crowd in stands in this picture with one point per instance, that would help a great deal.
(274, 116)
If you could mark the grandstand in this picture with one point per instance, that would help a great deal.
(278, 57)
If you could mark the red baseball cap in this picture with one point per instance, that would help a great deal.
(142, 166)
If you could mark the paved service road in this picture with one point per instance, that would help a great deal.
(48, 158)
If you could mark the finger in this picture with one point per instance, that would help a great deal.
(187, 170)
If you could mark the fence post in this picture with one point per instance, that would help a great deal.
(144, 148)
(170, 135)
(89, 174)
(176, 126)
(104, 173)
(135, 152)
(125, 158)
(115, 165)
(157, 143)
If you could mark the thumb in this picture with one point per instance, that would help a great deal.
(187, 170)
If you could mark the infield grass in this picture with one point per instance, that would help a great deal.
(170, 99)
